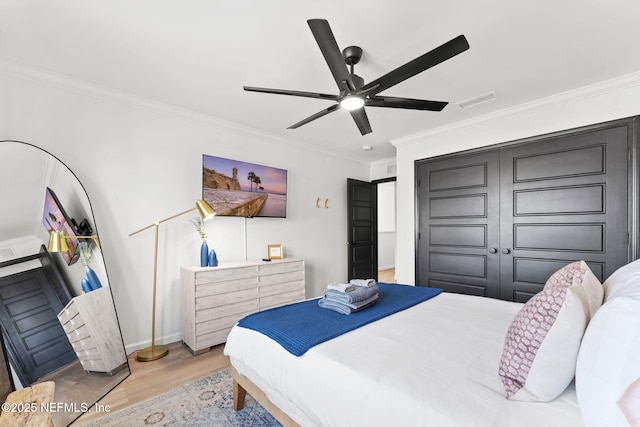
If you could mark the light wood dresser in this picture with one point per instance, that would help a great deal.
(92, 328)
(215, 298)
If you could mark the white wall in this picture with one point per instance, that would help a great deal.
(141, 162)
(386, 225)
(609, 100)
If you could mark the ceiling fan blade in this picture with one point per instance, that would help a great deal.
(408, 103)
(332, 53)
(315, 116)
(418, 65)
(292, 93)
(361, 119)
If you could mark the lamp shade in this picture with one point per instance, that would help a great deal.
(204, 209)
(57, 242)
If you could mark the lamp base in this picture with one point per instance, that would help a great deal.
(152, 353)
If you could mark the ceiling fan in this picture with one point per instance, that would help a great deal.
(354, 94)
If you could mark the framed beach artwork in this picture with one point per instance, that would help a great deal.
(236, 188)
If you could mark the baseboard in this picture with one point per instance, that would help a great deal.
(167, 339)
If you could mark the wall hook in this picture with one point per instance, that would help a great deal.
(326, 203)
(318, 202)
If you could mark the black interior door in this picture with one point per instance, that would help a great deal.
(458, 217)
(362, 223)
(563, 199)
(36, 342)
(499, 222)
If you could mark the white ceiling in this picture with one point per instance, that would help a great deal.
(197, 55)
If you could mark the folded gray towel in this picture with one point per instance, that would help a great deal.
(345, 308)
(355, 305)
(363, 282)
(359, 293)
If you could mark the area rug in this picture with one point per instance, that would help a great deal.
(204, 402)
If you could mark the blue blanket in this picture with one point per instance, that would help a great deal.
(300, 326)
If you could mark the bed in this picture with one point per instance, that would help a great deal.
(436, 363)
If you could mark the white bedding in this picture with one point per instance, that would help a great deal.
(435, 364)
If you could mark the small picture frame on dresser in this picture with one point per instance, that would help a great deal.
(275, 252)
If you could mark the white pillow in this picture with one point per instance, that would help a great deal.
(539, 357)
(609, 359)
(617, 283)
(629, 404)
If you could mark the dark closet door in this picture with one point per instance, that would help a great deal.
(362, 223)
(563, 199)
(458, 217)
(37, 344)
(499, 222)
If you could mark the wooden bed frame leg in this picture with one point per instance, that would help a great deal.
(242, 385)
(239, 395)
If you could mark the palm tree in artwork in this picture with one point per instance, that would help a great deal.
(251, 177)
(258, 181)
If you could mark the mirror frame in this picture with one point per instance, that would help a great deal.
(118, 376)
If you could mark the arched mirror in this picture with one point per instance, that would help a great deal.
(56, 309)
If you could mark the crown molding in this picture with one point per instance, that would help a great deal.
(384, 162)
(70, 84)
(598, 89)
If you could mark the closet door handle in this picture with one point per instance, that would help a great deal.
(493, 250)
(506, 251)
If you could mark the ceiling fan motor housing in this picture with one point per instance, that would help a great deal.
(352, 55)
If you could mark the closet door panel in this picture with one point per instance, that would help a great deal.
(562, 199)
(458, 207)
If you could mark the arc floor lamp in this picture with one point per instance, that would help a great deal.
(159, 351)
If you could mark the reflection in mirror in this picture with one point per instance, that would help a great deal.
(57, 314)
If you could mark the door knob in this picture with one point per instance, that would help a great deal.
(493, 250)
(506, 251)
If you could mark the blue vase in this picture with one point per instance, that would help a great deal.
(204, 254)
(213, 259)
(92, 277)
(86, 287)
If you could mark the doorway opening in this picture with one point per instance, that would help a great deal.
(386, 230)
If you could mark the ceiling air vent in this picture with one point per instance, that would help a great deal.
(472, 102)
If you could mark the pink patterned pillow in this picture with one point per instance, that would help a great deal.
(542, 343)
(579, 276)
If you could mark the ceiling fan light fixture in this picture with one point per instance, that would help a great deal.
(352, 102)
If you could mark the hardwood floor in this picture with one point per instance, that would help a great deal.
(387, 276)
(149, 379)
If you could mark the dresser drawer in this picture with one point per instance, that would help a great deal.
(208, 289)
(290, 276)
(213, 326)
(88, 354)
(215, 338)
(214, 275)
(207, 314)
(226, 299)
(281, 299)
(281, 288)
(83, 344)
(280, 267)
(68, 312)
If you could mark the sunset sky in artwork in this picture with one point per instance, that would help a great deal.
(273, 180)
